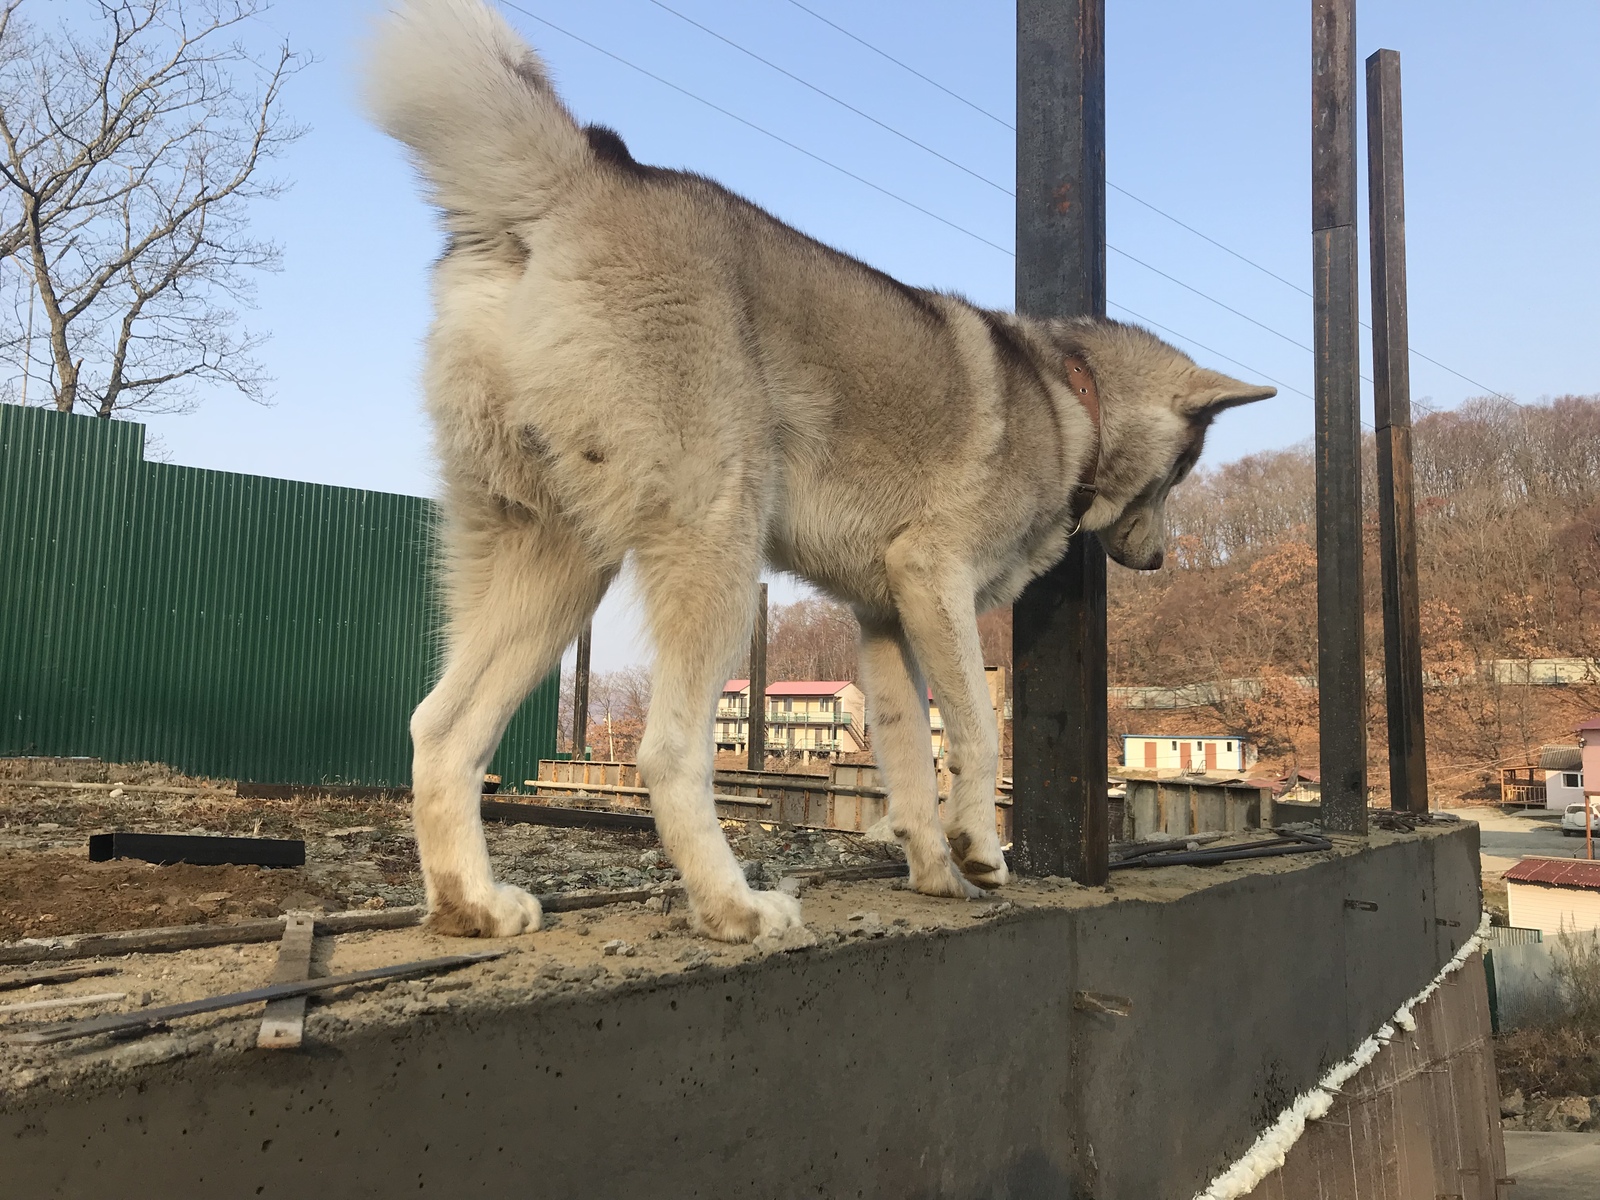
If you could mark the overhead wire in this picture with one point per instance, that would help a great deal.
(1157, 209)
(911, 203)
(758, 128)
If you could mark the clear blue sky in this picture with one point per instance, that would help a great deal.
(1208, 115)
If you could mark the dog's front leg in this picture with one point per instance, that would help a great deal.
(700, 617)
(898, 699)
(937, 606)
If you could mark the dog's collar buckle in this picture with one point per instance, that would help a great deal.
(1081, 379)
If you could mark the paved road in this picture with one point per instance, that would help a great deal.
(1554, 1166)
(1506, 837)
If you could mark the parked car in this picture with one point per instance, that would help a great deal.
(1572, 819)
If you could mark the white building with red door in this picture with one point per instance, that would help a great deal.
(1213, 754)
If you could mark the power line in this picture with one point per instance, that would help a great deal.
(908, 67)
(905, 137)
(1161, 212)
(759, 129)
(901, 199)
(1208, 349)
(968, 170)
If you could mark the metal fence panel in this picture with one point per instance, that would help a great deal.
(228, 625)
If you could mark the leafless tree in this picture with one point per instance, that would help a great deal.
(132, 142)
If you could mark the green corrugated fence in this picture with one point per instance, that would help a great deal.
(228, 625)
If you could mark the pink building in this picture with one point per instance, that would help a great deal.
(1589, 743)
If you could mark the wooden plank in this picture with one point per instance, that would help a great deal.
(27, 979)
(172, 938)
(284, 1021)
(1059, 821)
(549, 814)
(1391, 392)
(1341, 654)
(145, 1018)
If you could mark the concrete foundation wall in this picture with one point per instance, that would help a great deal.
(952, 1064)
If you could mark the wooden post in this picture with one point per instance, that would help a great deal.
(1391, 392)
(580, 694)
(757, 740)
(1058, 726)
(1341, 653)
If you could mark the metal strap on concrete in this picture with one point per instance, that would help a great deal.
(284, 1021)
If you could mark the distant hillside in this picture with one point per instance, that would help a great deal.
(1508, 510)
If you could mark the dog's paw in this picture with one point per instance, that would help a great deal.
(505, 911)
(941, 878)
(746, 916)
(982, 864)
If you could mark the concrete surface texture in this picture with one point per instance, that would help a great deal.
(1553, 1166)
(932, 1054)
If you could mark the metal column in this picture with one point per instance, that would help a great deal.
(580, 694)
(1391, 394)
(1059, 624)
(1341, 655)
(757, 724)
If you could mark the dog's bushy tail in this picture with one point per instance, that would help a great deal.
(453, 81)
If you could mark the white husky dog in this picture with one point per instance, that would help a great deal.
(631, 360)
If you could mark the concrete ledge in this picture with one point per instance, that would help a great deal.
(951, 1062)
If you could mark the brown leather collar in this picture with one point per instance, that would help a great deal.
(1083, 387)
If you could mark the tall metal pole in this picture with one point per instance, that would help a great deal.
(757, 741)
(1391, 392)
(1341, 654)
(1059, 624)
(580, 694)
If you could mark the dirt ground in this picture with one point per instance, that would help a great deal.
(360, 853)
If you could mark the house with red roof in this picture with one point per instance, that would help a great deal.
(1557, 895)
(822, 717)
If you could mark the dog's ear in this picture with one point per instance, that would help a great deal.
(1210, 392)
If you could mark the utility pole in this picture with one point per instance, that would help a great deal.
(1341, 651)
(1391, 397)
(757, 741)
(580, 694)
(1059, 623)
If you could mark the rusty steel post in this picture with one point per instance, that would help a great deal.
(1341, 651)
(1391, 394)
(580, 694)
(756, 742)
(1058, 727)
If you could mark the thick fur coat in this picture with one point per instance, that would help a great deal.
(631, 361)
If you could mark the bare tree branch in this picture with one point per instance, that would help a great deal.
(129, 157)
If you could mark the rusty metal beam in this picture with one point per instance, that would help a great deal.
(757, 724)
(1059, 819)
(580, 693)
(1391, 397)
(1341, 651)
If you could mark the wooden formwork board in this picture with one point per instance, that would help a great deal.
(1421, 1120)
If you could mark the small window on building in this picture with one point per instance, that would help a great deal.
(1572, 781)
(1174, 745)
(1229, 746)
(788, 706)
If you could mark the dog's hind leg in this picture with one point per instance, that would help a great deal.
(699, 591)
(937, 608)
(899, 702)
(519, 590)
